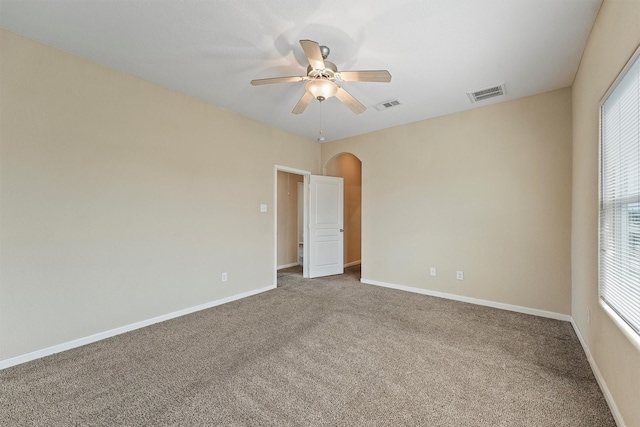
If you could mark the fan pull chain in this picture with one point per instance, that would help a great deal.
(320, 136)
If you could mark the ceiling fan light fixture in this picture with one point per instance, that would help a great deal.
(321, 79)
(322, 88)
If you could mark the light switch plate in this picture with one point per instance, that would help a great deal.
(263, 208)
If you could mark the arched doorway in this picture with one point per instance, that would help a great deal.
(349, 167)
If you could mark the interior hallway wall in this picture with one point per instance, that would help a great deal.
(349, 167)
(288, 217)
(122, 200)
(614, 38)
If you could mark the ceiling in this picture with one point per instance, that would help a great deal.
(436, 50)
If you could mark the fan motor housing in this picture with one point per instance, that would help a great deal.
(329, 70)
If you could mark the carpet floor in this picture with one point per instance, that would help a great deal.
(318, 352)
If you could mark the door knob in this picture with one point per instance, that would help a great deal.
(342, 230)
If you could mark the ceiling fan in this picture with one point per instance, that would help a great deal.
(322, 79)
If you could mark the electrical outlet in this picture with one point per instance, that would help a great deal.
(224, 277)
(432, 271)
(459, 275)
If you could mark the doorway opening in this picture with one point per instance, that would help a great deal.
(291, 251)
(349, 168)
(320, 251)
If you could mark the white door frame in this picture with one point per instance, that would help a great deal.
(305, 244)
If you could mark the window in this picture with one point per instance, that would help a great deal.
(619, 281)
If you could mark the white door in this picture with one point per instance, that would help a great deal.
(326, 234)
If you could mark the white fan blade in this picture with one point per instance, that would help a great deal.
(364, 76)
(350, 101)
(302, 104)
(314, 55)
(272, 80)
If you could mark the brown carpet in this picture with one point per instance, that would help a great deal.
(318, 352)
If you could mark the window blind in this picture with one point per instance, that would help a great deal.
(619, 275)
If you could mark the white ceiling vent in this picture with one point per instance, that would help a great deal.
(490, 92)
(387, 104)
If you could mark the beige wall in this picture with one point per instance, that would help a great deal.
(614, 38)
(349, 168)
(288, 217)
(486, 191)
(122, 200)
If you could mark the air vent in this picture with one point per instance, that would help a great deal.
(387, 104)
(490, 92)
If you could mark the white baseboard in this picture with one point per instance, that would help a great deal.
(293, 264)
(6, 363)
(601, 382)
(516, 308)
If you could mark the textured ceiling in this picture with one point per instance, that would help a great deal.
(436, 50)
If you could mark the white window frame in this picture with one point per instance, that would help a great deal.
(613, 312)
